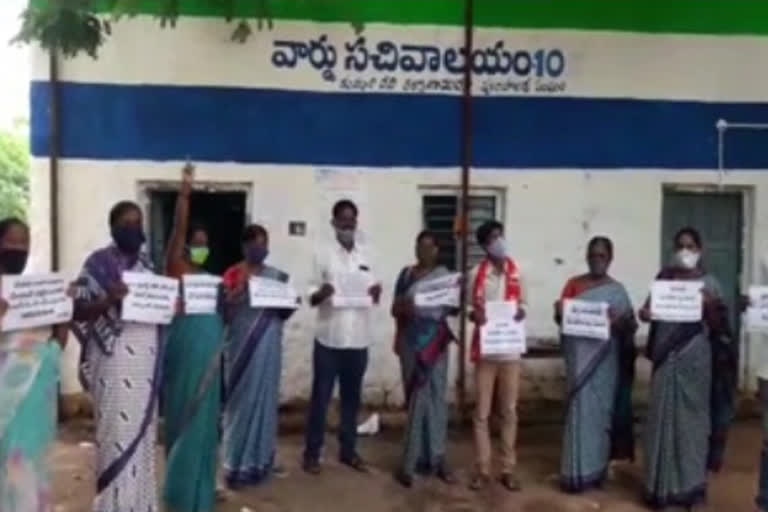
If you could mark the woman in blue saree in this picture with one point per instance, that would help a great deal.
(29, 376)
(253, 362)
(422, 339)
(692, 387)
(191, 376)
(598, 377)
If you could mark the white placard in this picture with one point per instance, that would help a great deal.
(586, 319)
(151, 298)
(757, 312)
(677, 301)
(271, 293)
(443, 291)
(35, 300)
(351, 290)
(502, 334)
(201, 293)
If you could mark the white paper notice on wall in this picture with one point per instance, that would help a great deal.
(35, 300)
(201, 293)
(677, 301)
(586, 319)
(757, 312)
(351, 290)
(443, 291)
(151, 298)
(502, 334)
(271, 293)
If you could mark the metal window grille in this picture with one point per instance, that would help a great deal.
(440, 211)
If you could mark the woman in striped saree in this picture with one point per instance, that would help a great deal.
(253, 362)
(597, 377)
(423, 338)
(191, 377)
(29, 376)
(120, 367)
(694, 378)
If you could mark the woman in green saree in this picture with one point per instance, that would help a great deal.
(191, 377)
(29, 376)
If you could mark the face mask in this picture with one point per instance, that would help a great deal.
(345, 236)
(256, 255)
(128, 239)
(497, 250)
(13, 261)
(198, 255)
(687, 258)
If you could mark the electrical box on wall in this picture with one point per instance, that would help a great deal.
(297, 228)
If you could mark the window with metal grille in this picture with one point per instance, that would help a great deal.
(440, 211)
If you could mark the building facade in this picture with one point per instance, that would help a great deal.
(589, 118)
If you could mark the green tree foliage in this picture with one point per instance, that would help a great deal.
(71, 27)
(14, 174)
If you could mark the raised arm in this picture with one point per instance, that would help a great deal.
(175, 265)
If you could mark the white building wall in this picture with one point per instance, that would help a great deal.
(550, 215)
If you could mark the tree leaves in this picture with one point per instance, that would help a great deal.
(14, 175)
(71, 27)
(63, 25)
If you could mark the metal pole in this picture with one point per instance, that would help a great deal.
(466, 163)
(54, 149)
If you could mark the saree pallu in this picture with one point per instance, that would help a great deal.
(191, 387)
(253, 364)
(593, 379)
(29, 376)
(691, 402)
(424, 363)
(121, 365)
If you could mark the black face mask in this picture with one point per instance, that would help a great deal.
(13, 261)
(128, 239)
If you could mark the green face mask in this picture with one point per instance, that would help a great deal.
(198, 255)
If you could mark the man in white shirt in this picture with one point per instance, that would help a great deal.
(342, 338)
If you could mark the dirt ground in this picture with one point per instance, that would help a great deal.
(339, 489)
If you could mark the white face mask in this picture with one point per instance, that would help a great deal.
(497, 249)
(687, 258)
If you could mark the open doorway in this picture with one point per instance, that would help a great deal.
(222, 213)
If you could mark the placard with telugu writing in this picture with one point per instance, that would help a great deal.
(677, 301)
(757, 312)
(586, 319)
(443, 291)
(351, 290)
(151, 298)
(271, 293)
(35, 300)
(502, 334)
(201, 293)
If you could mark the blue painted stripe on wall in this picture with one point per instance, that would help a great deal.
(102, 121)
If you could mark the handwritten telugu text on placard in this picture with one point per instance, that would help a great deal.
(502, 334)
(35, 300)
(201, 293)
(351, 290)
(270, 293)
(676, 301)
(757, 312)
(151, 298)
(443, 291)
(586, 319)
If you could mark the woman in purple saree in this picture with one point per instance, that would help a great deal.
(120, 369)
